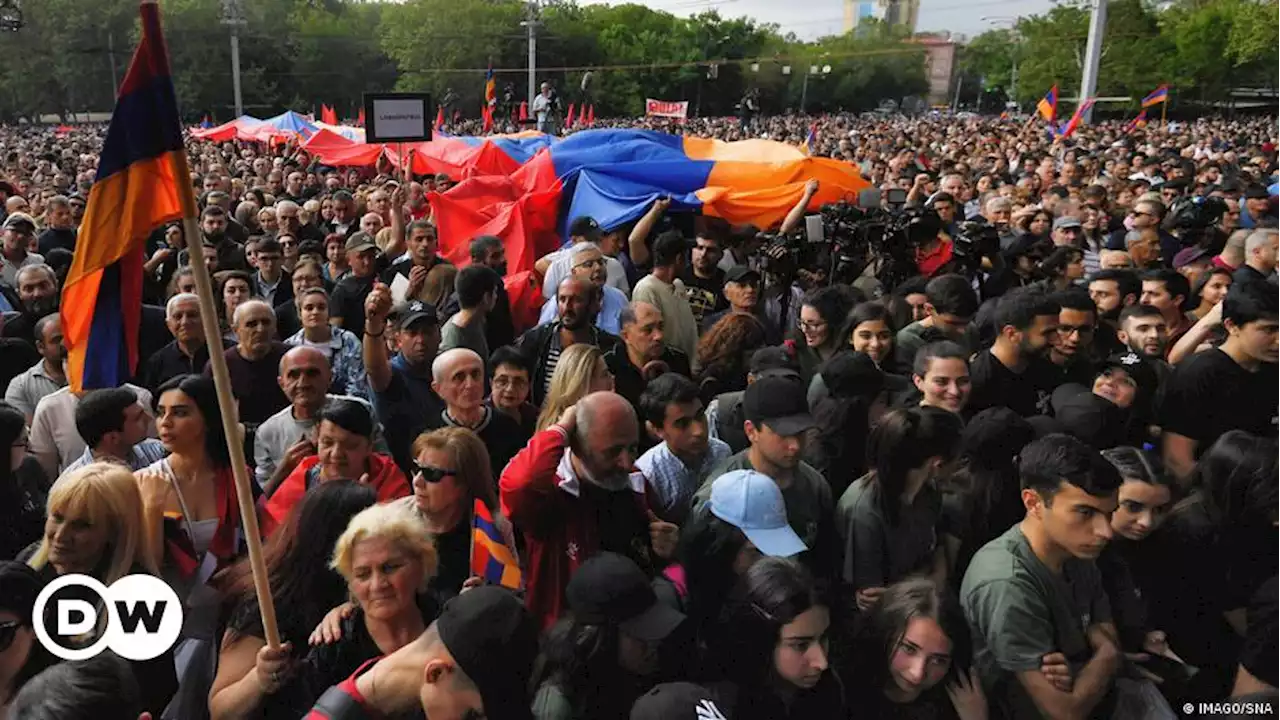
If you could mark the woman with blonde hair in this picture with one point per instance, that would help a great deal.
(387, 558)
(94, 526)
(580, 371)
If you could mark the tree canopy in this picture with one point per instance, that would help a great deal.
(1201, 48)
(300, 53)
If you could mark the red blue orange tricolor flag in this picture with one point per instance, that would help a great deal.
(1048, 105)
(1137, 122)
(1157, 96)
(136, 190)
(1076, 118)
(491, 557)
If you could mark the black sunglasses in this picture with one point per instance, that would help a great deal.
(431, 474)
(8, 631)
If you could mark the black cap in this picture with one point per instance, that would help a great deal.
(495, 641)
(585, 226)
(1094, 420)
(1138, 368)
(771, 361)
(408, 313)
(779, 403)
(612, 588)
(740, 274)
(1255, 191)
(677, 701)
(19, 586)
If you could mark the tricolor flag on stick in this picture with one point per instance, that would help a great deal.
(1048, 105)
(1076, 118)
(144, 180)
(1157, 96)
(1139, 121)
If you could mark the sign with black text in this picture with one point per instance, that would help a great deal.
(397, 117)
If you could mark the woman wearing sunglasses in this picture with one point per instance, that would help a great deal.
(451, 471)
(344, 451)
(22, 657)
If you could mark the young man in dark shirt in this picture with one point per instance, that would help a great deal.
(1027, 323)
(347, 305)
(1071, 357)
(703, 280)
(1167, 291)
(1231, 387)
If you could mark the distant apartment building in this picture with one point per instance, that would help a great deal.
(894, 12)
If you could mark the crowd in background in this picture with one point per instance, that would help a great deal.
(1035, 478)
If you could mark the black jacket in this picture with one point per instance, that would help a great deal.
(535, 344)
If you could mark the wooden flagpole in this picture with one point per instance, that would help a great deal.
(226, 401)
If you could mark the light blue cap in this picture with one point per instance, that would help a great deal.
(752, 502)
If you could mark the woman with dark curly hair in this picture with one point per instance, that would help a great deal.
(724, 352)
(822, 317)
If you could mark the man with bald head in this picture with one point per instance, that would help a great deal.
(574, 492)
(457, 376)
(587, 263)
(284, 439)
(577, 301)
(642, 355)
(254, 363)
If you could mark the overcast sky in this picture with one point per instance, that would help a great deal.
(814, 18)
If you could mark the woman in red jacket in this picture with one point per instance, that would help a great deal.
(344, 451)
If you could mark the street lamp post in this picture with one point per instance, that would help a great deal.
(804, 86)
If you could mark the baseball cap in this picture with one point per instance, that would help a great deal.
(1066, 221)
(411, 312)
(360, 241)
(741, 273)
(584, 226)
(495, 641)
(1187, 256)
(611, 587)
(677, 701)
(774, 361)
(1255, 191)
(1137, 368)
(752, 502)
(779, 403)
(18, 219)
(1089, 418)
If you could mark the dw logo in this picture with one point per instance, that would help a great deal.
(144, 617)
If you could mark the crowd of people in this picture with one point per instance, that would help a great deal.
(1035, 477)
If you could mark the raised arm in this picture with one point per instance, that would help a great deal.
(636, 247)
(374, 346)
(796, 216)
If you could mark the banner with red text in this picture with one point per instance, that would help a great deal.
(666, 108)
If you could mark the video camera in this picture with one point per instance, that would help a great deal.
(1193, 218)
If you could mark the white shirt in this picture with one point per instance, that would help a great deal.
(560, 269)
(55, 442)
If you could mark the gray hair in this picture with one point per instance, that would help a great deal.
(38, 267)
(1259, 239)
(1132, 237)
(177, 300)
(251, 302)
(581, 248)
(998, 203)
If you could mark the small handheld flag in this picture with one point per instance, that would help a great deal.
(1076, 118)
(1157, 96)
(1048, 105)
(811, 142)
(439, 119)
(591, 116)
(491, 557)
(568, 118)
(1137, 122)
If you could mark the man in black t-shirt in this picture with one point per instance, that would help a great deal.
(703, 280)
(1027, 322)
(1231, 387)
(349, 294)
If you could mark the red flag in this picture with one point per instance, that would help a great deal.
(439, 118)
(486, 113)
(568, 119)
(328, 115)
(360, 118)
(524, 112)
(457, 115)
(591, 115)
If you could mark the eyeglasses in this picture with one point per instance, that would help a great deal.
(8, 631)
(433, 475)
(805, 325)
(1141, 213)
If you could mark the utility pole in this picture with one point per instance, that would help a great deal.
(232, 18)
(531, 26)
(111, 52)
(1093, 53)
